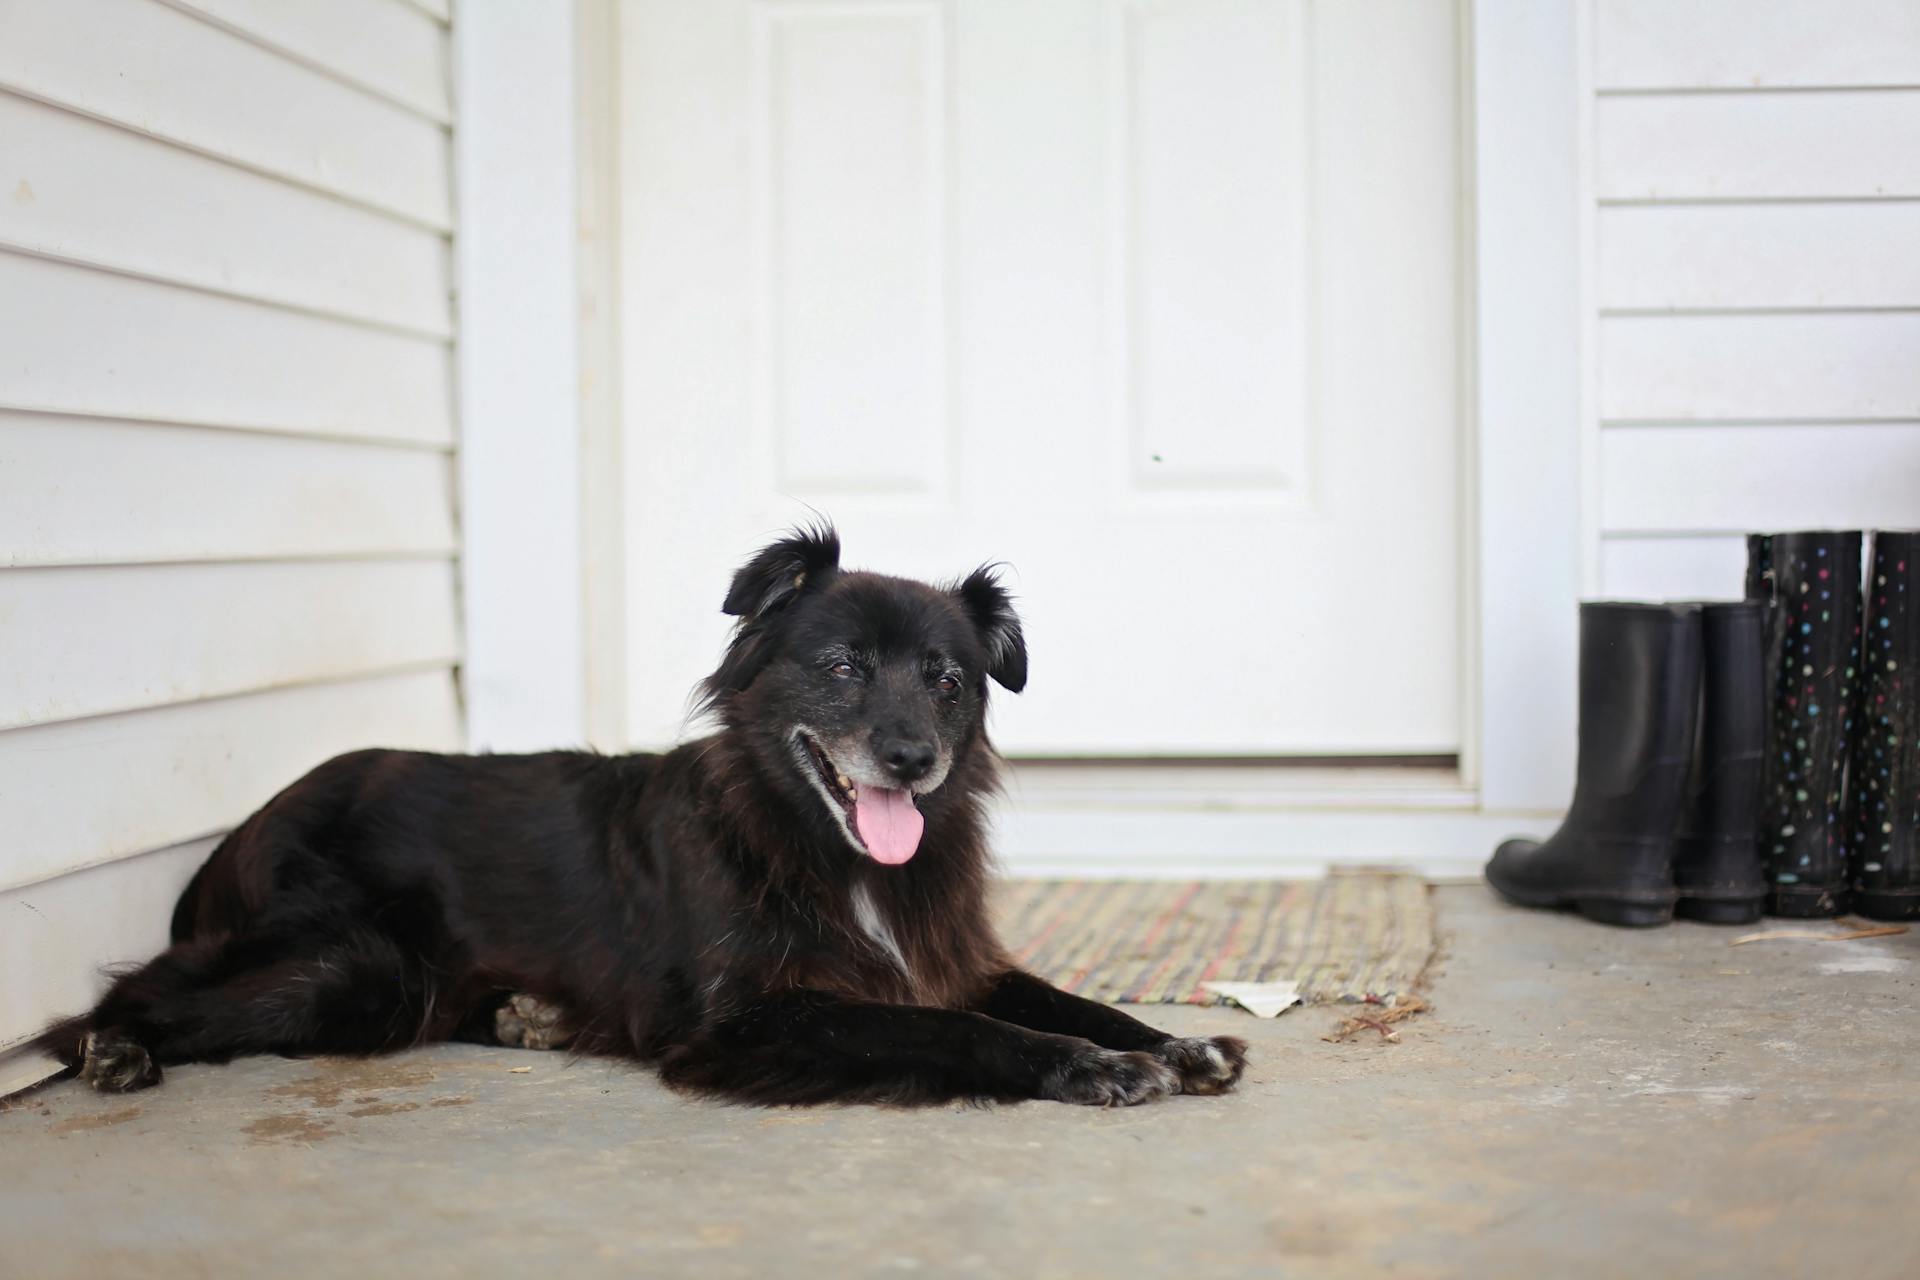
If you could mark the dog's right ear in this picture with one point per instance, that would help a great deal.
(807, 557)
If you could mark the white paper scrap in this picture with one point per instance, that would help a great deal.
(1261, 999)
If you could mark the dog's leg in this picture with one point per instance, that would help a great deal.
(213, 999)
(1207, 1064)
(800, 1047)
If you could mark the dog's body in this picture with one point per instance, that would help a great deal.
(790, 911)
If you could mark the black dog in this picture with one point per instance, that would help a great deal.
(790, 911)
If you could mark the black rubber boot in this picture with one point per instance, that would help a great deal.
(1885, 778)
(1716, 862)
(1612, 859)
(1810, 583)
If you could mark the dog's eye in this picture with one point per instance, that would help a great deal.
(844, 670)
(947, 684)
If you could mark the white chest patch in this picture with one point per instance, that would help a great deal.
(866, 912)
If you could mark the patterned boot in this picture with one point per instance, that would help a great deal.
(1810, 583)
(1885, 777)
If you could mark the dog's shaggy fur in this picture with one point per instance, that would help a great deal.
(735, 910)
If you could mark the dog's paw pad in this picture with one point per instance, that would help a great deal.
(114, 1062)
(1207, 1064)
(528, 1022)
(1098, 1077)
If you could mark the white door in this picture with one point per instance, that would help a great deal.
(1155, 300)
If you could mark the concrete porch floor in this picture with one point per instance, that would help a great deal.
(1582, 1101)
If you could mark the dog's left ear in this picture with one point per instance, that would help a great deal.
(805, 558)
(991, 609)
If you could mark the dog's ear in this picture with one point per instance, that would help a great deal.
(991, 609)
(807, 557)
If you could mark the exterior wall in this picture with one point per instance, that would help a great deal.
(227, 524)
(1755, 295)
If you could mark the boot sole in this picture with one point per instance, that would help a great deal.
(1888, 904)
(1631, 915)
(1627, 912)
(1719, 911)
(1810, 903)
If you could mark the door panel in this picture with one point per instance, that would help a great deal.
(1155, 301)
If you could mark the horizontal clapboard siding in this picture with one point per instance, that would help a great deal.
(1806, 366)
(1740, 44)
(208, 224)
(393, 50)
(1756, 146)
(57, 936)
(77, 491)
(89, 641)
(167, 72)
(1673, 568)
(114, 345)
(228, 544)
(1759, 256)
(1729, 479)
(1757, 280)
(220, 760)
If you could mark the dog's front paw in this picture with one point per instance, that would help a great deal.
(114, 1062)
(1206, 1064)
(528, 1022)
(1097, 1077)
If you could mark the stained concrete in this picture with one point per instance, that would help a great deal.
(1582, 1101)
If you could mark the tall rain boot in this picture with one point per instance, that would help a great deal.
(1716, 864)
(1612, 859)
(1885, 778)
(1810, 583)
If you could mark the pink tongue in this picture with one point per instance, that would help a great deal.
(888, 823)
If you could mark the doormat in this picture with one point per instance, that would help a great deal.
(1349, 936)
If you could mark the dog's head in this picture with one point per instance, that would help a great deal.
(862, 695)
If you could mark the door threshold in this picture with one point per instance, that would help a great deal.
(1431, 784)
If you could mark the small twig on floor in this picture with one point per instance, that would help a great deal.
(1858, 929)
(1349, 1027)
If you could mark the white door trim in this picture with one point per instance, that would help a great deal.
(518, 370)
(538, 271)
(1529, 86)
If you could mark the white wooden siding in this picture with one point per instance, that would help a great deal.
(1672, 568)
(1756, 280)
(170, 73)
(182, 772)
(227, 517)
(1740, 44)
(57, 935)
(123, 347)
(104, 638)
(1759, 145)
(1759, 256)
(95, 490)
(1803, 365)
(205, 223)
(1729, 479)
(393, 50)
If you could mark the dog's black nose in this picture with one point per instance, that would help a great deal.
(906, 759)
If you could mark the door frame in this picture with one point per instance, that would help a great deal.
(1528, 144)
(1526, 262)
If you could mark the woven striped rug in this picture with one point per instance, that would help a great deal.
(1351, 935)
